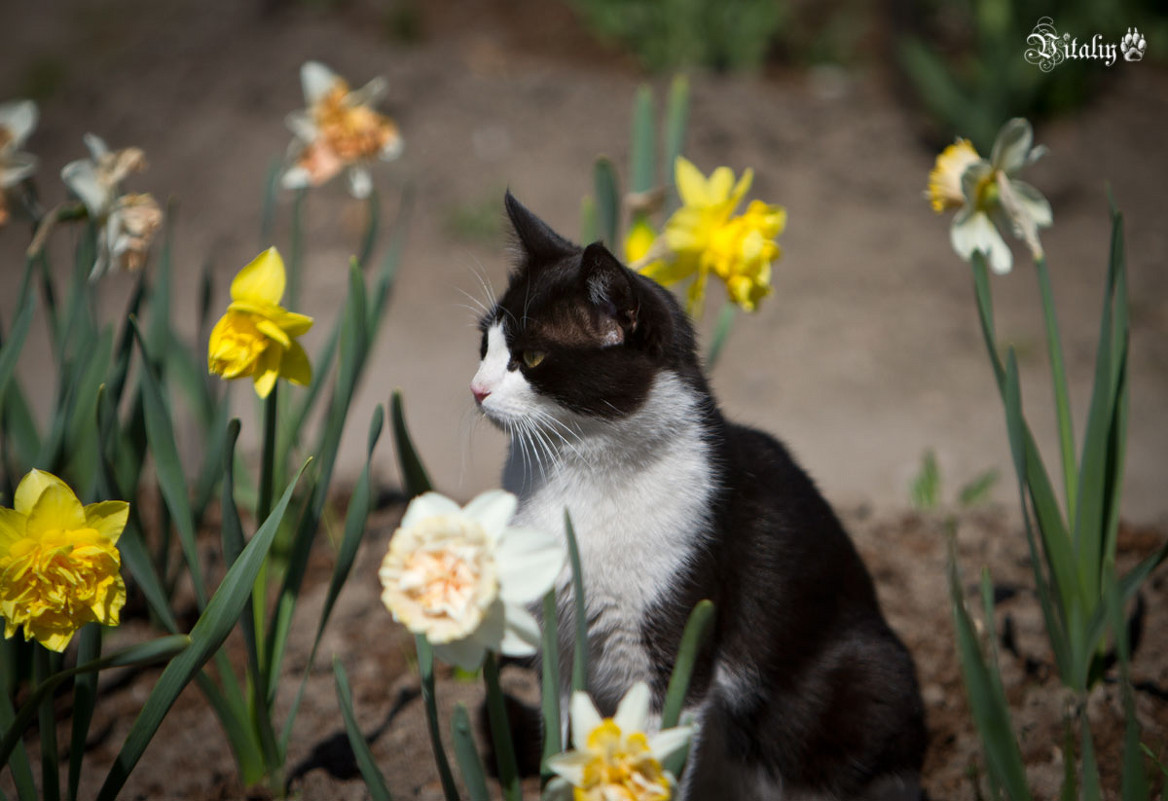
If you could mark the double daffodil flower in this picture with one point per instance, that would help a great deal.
(18, 119)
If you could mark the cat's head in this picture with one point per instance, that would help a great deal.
(576, 335)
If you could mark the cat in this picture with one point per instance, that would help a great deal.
(803, 690)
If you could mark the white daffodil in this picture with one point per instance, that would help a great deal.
(462, 577)
(614, 758)
(18, 119)
(338, 130)
(126, 222)
(990, 197)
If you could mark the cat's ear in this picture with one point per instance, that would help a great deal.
(537, 239)
(609, 287)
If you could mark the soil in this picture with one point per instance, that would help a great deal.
(867, 355)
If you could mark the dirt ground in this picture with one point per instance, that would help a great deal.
(867, 355)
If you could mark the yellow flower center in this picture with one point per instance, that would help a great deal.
(237, 345)
(440, 577)
(351, 132)
(987, 192)
(622, 768)
(59, 581)
(944, 190)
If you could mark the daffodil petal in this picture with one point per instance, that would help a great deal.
(20, 118)
(18, 167)
(295, 178)
(301, 126)
(316, 80)
(108, 518)
(57, 509)
(96, 145)
(368, 94)
(466, 653)
(521, 636)
(633, 709)
(428, 504)
(691, 184)
(265, 381)
(1012, 145)
(360, 182)
(81, 178)
(32, 486)
(569, 767)
(584, 718)
(272, 331)
(665, 744)
(492, 510)
(528, 563)
(12, 527)
(393, 147)
(295, 365)
(262, 280)
(976, 232)
(1032, 201)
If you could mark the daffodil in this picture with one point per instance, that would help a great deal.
(614, 759)
(990, 197)
(59, 562)
(703, 236)
(257, 337)
(18, 119)
(126, 222)
(462, 577)
(339, 130)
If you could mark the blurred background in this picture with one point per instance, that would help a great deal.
(868, 354)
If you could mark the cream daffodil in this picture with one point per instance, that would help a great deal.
(615, 759)
(463, 578)
(126, 222)
(338, 130)
(18, 119)
(990, 198)
(703, 236)
(59, 562)
(257, 337)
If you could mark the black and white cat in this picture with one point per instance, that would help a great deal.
(804, 691)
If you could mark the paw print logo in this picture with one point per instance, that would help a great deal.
(1133, 45)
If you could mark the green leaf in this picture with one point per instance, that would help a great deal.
(17, 759)
(1059, 380)
(468, 756)
(14, 343)
(978, 490)
(268, 205)
(207, 636)
(84, 701)
(372, 218)
(501, 731)
(430, 701)
(580, 652)
(387, 275)
(676, 118)
(608, 202)
(925, 490)
(374, 781)
(643, 166)
(168, 468)
(413, 472)
(697, 631)
(550, 679)
(1091, 789)
(721, 334)
(589, 225)
(1134, 778)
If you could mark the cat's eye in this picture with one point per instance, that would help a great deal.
(532, 358)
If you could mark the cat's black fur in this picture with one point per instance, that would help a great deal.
(803, 690)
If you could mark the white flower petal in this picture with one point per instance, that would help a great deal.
(1033, 203)
(96, 145)
(976, 232)
(368, 94)
(360, 182)
(529, 562)
(428, 504)
(666, 743)
(316, 79)
(633, 709)
(492, 510)
(295, 178)
(392, 149)
(16, 168)
(569, 767)
(301, 126)
(522, 635)
(20, 118)
(1012, 147)
(467, 653)
(584, 717)
(81, 177)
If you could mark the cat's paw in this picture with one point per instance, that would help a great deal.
(1133, 45)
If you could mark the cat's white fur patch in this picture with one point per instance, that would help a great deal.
(638, 490)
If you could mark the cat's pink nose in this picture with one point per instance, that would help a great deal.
(480, 394)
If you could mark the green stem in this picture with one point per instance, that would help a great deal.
(261, 713)
(426, 668)
(51, 781)
(296, 252)
(501, 732)
(721, 332)
(1059, 379)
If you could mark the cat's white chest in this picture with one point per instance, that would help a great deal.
(638, 501)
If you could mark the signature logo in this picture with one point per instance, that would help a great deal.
(1046, 48)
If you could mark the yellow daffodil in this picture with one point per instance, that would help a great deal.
(463, 578)
(18, 119)
(257, 337)
(614, 758)
(639, 241)
(339, 130)
(59, 564)
(126, 222)
(989, 197)
(703, 236)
